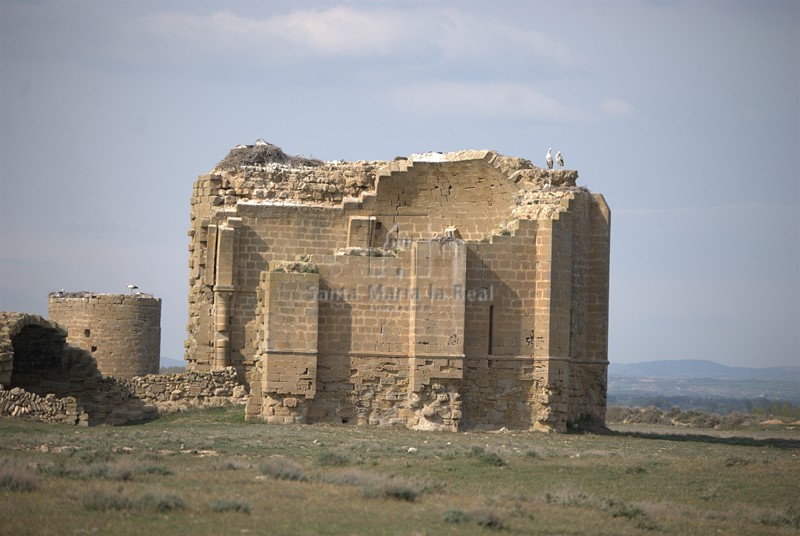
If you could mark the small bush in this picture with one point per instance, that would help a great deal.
(490, 458)
(634, 513)
(162, 503)
(493, 458)
(636, 470)
(618, 413)
(488, 519)
(568, 499)
(235, 465)
(16, 478)
(122, 470)
(776, 518)
(230, 506)
(454, 515)
(620, 509)
(93, 456)
(734, 420)
(391, 488)
(330, 458)
(154, 470)
(281, 468)
(378, 486)
(349, 477)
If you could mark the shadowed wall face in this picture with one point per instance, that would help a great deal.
(37, 355)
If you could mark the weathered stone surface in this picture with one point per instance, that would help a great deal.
(451, 289)
(44, 378)
(122, 332)
(113, 401)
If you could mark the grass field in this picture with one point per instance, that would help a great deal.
(208, 472)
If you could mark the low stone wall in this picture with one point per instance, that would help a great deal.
(108, 400)
(20, 403)
(180, 391)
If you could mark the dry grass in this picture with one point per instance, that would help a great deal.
(209, 473)
(15, 477)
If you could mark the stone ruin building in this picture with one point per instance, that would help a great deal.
(438, 291)
(96, 360)
(122, 332)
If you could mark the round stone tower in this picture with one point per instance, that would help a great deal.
(121, 331)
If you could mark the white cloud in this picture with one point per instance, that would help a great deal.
(484, 100)
(330, 32)
(343, 31)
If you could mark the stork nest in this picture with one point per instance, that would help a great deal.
(261, 155)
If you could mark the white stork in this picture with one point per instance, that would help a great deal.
(549, 158)
(559, 159)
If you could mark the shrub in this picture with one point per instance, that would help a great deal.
(122, 470)
(621, 509)
(454, 515)
(222, 505)
(235, 465)
(154, 470)
(734, 420)
(488, 519)
(330, 458)
(281, 468)
(93, 456)
(59, 470)
(618, 413)
(391, 488)
(163, 503)
(16, 478)
(490, 458)
(378, 486)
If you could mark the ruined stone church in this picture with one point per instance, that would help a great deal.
(438, 291)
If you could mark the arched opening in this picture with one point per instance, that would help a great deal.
(38, 358)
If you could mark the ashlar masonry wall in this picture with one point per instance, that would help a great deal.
(470, 290)
(122, 332)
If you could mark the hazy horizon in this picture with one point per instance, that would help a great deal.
(684, 115)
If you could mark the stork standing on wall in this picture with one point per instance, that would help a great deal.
(549, 158)
(132, 287)
(559, 159)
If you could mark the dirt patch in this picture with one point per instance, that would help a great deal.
(772, 421)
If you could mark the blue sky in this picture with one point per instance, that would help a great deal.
(685, 115)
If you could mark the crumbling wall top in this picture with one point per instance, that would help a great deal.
(263, 174)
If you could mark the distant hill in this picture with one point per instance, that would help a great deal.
(172, 364)
(700, 369)
(689, 382)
